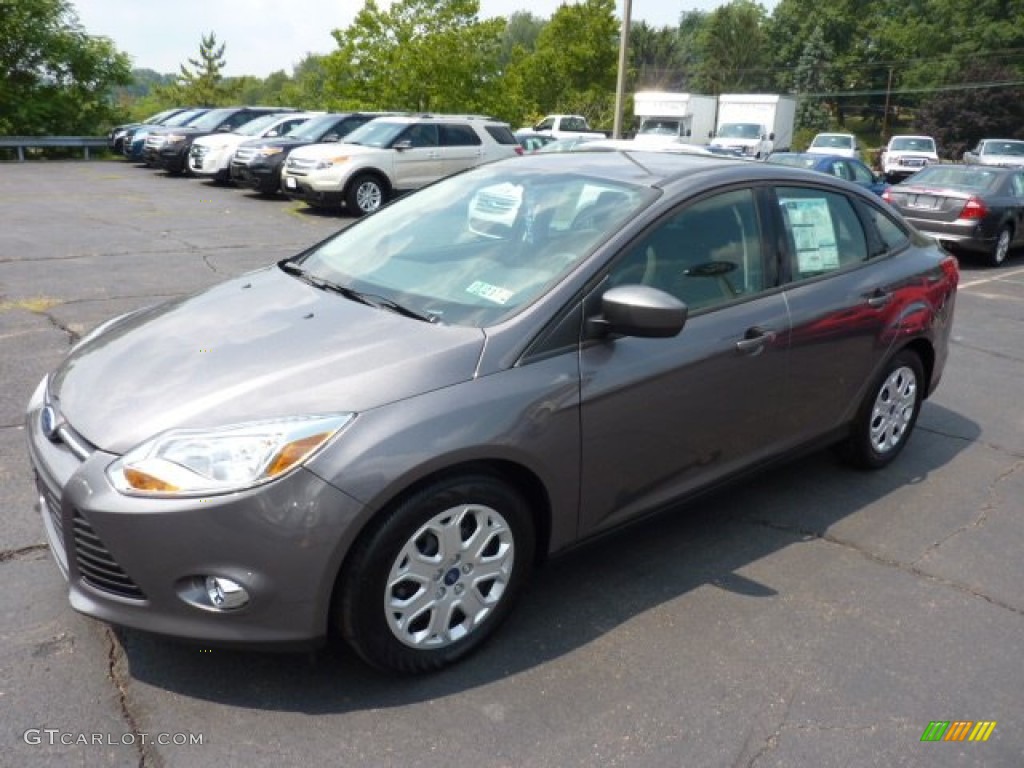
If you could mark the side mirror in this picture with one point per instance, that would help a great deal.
(330, 138)
(771, 136)
(272, 134)
(687, 132)
(403, 144)
(638, 310)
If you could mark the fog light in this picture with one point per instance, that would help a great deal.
(225, 594)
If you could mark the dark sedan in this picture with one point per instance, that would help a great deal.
(974, 208)
(380, 437)
(849, 168)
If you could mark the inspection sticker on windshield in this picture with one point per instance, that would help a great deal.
(813, 234)
(489, 292)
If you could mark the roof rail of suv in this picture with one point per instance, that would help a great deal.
(444, 116)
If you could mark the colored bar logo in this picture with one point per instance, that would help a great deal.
(958, 730)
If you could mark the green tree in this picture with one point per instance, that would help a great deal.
(574, 66)
(54, 77)
(810, 79)
(655, 57)
(201, 81)
(734, 49)
(521, 31)
(427, 55)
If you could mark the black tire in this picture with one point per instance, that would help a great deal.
(455, 554)
(1001, 249)
(365, 194)
(887, 416)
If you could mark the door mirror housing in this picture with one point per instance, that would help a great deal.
(638, 310)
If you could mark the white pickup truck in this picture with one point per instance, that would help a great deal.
(565, 127)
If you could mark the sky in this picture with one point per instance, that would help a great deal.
(263, 36)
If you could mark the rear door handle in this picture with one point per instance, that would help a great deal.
(755, 340)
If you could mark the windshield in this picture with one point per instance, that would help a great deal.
(1003, 148)
(739, 131)
(185, 117)
(967, 177)
(376, 133)
(257, 126)
(834, 141)
(912, 144)
(659, 128)
(314, 128)
(212, 119)
(477, 247)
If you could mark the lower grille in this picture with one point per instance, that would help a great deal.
(97, 566)
(53, 509)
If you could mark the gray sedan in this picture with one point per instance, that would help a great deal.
(973, 208)
(1007, 152)
(379, 438)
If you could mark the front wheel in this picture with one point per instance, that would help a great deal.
(437, 574)
(887, 416)
(365, 195)
(1002, 247)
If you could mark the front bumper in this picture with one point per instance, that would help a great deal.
(132, 561)
(300, 188)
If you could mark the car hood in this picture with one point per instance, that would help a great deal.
(221, 140)
(278, 141)
(265, 345)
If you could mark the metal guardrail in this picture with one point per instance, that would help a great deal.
(20, 143)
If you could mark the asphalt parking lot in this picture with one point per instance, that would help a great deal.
(811, 616)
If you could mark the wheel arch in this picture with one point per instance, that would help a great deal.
(926, 354)
(517, 476)
(376, 173)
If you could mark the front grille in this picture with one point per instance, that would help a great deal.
(244, 155)
(299, 166)
(198, 152)
(97, 566)
(155, 142)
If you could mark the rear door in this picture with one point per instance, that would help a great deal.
(461, 148)
(420, 163)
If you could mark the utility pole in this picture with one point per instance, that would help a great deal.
(885, 114)
(620, 85)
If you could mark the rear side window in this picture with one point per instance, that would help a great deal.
(458, 136)
(823, 231)
(501, 134)
(892, 236)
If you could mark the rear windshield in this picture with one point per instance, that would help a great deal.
(501, 134)
(973, 178)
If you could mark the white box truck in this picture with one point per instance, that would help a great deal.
(667, 117)
(755, 124)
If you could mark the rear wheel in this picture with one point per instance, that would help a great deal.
(437, 574)
(1002, 247)
(365, 195)
(887, 416)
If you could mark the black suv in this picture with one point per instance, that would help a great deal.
(257, 163)
(169, 147)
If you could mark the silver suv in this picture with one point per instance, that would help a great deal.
(391, 155)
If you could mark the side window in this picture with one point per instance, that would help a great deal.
(838, 168)
(459, 136)
(706, 254)
(823, 231)
(892, 236)
(861, 173)
(1017, 184)
(237, 119)
(546, 124)
(421, 135)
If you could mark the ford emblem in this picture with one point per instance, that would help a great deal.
(48, 422)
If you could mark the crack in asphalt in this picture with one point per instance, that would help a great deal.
(982, 350)
(980, 520)
(117, 671)
(73, 335)
(23, 553)
(772, 741)
(911, 568)
(994, 446)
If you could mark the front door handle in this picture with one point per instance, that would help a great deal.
(878, 298)
(755, 340)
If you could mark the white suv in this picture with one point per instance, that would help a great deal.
(391, 155)
(905, 155)
(211, 155)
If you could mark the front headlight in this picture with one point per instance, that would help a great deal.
(174, 138)
(194, 462)
(327, 162)
(268, 151)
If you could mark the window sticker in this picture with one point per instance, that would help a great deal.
(490, 292)
(813, 233)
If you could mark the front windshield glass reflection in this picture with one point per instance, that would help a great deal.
(477, 247)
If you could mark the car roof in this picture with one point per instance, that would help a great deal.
(659, 169)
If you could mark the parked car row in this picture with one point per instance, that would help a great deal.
(356, 159)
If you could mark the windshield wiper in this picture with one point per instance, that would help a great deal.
(369, 299)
